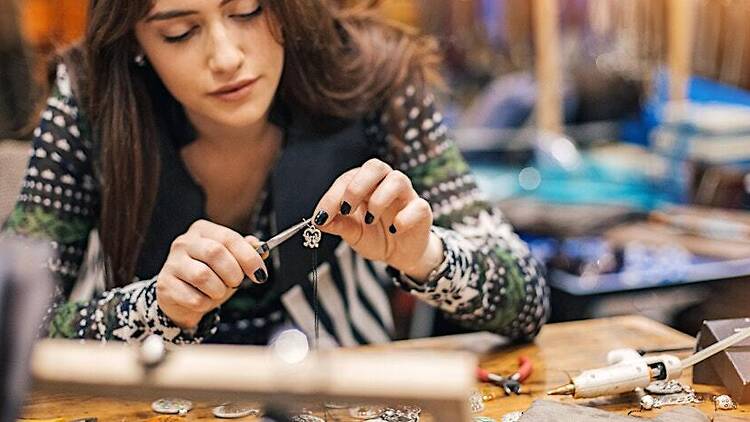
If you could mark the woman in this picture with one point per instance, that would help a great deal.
(198, 127)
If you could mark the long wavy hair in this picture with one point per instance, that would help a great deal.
(339, 62)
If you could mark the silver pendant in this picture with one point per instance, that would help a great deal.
(724, 402)
(234, 411)
(312, 237)
(172, 406)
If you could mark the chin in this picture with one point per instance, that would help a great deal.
(240, 117)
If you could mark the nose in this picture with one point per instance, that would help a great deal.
(225, 55)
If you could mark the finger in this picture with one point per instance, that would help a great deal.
(364, 183)
(330, 203)
(248, 258)
(394, 190)
(186, 296)
(218, 258)
(202, 277)
(349, 228)
(417, 214)
(260, 247)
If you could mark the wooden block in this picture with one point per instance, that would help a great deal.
(730, 368)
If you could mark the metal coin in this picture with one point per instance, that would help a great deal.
(172, 406)
(365, 412)
(306, 418)
(411, 410)
(234, 411)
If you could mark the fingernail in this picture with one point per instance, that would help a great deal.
(369, 218)
(260, 275)
(264, 248)
(321, 217)
(345, 208)
(392, 229)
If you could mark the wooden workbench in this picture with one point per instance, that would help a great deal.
(559, 348)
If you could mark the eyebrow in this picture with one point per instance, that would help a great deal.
(171, 14)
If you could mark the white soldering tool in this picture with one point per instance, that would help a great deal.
(629, 370)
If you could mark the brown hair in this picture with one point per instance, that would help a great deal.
(344, 61)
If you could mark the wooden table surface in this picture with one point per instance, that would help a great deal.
(570, 347)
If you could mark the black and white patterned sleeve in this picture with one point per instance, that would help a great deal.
(488, 279)
(59, 202)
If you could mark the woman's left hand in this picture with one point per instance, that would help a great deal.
(377, 212)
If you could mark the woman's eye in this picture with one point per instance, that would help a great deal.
(247, 16)
(179, 38)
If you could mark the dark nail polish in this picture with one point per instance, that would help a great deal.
(260, 275)
(369, 218)
(392, 229)
(264, 248)
(345, 208)
(321, 218)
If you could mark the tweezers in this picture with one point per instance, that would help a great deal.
(265, 247)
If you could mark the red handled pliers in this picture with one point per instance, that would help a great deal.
(511, 384)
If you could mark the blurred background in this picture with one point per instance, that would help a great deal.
(614, 134)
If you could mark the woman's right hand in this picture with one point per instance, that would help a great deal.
(203, 270)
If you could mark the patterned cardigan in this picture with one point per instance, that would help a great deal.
(488, 279)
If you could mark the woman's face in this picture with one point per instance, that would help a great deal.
(218, 58)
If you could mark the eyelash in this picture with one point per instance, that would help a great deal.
(245, 17)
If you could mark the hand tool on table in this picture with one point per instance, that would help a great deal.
(511, 384)
(629, 370)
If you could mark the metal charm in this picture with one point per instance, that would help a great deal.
(724, 402)
(400, 414)
(647, 402)
(668, 387)
(312, 236)
(172, 406)
(678, 399)
(511, 417)
(234, 411)
(475, 402)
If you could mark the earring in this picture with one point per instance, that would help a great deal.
(140, 60)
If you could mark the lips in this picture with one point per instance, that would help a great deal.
(233, 89)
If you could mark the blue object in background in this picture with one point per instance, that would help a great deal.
(700, 90)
